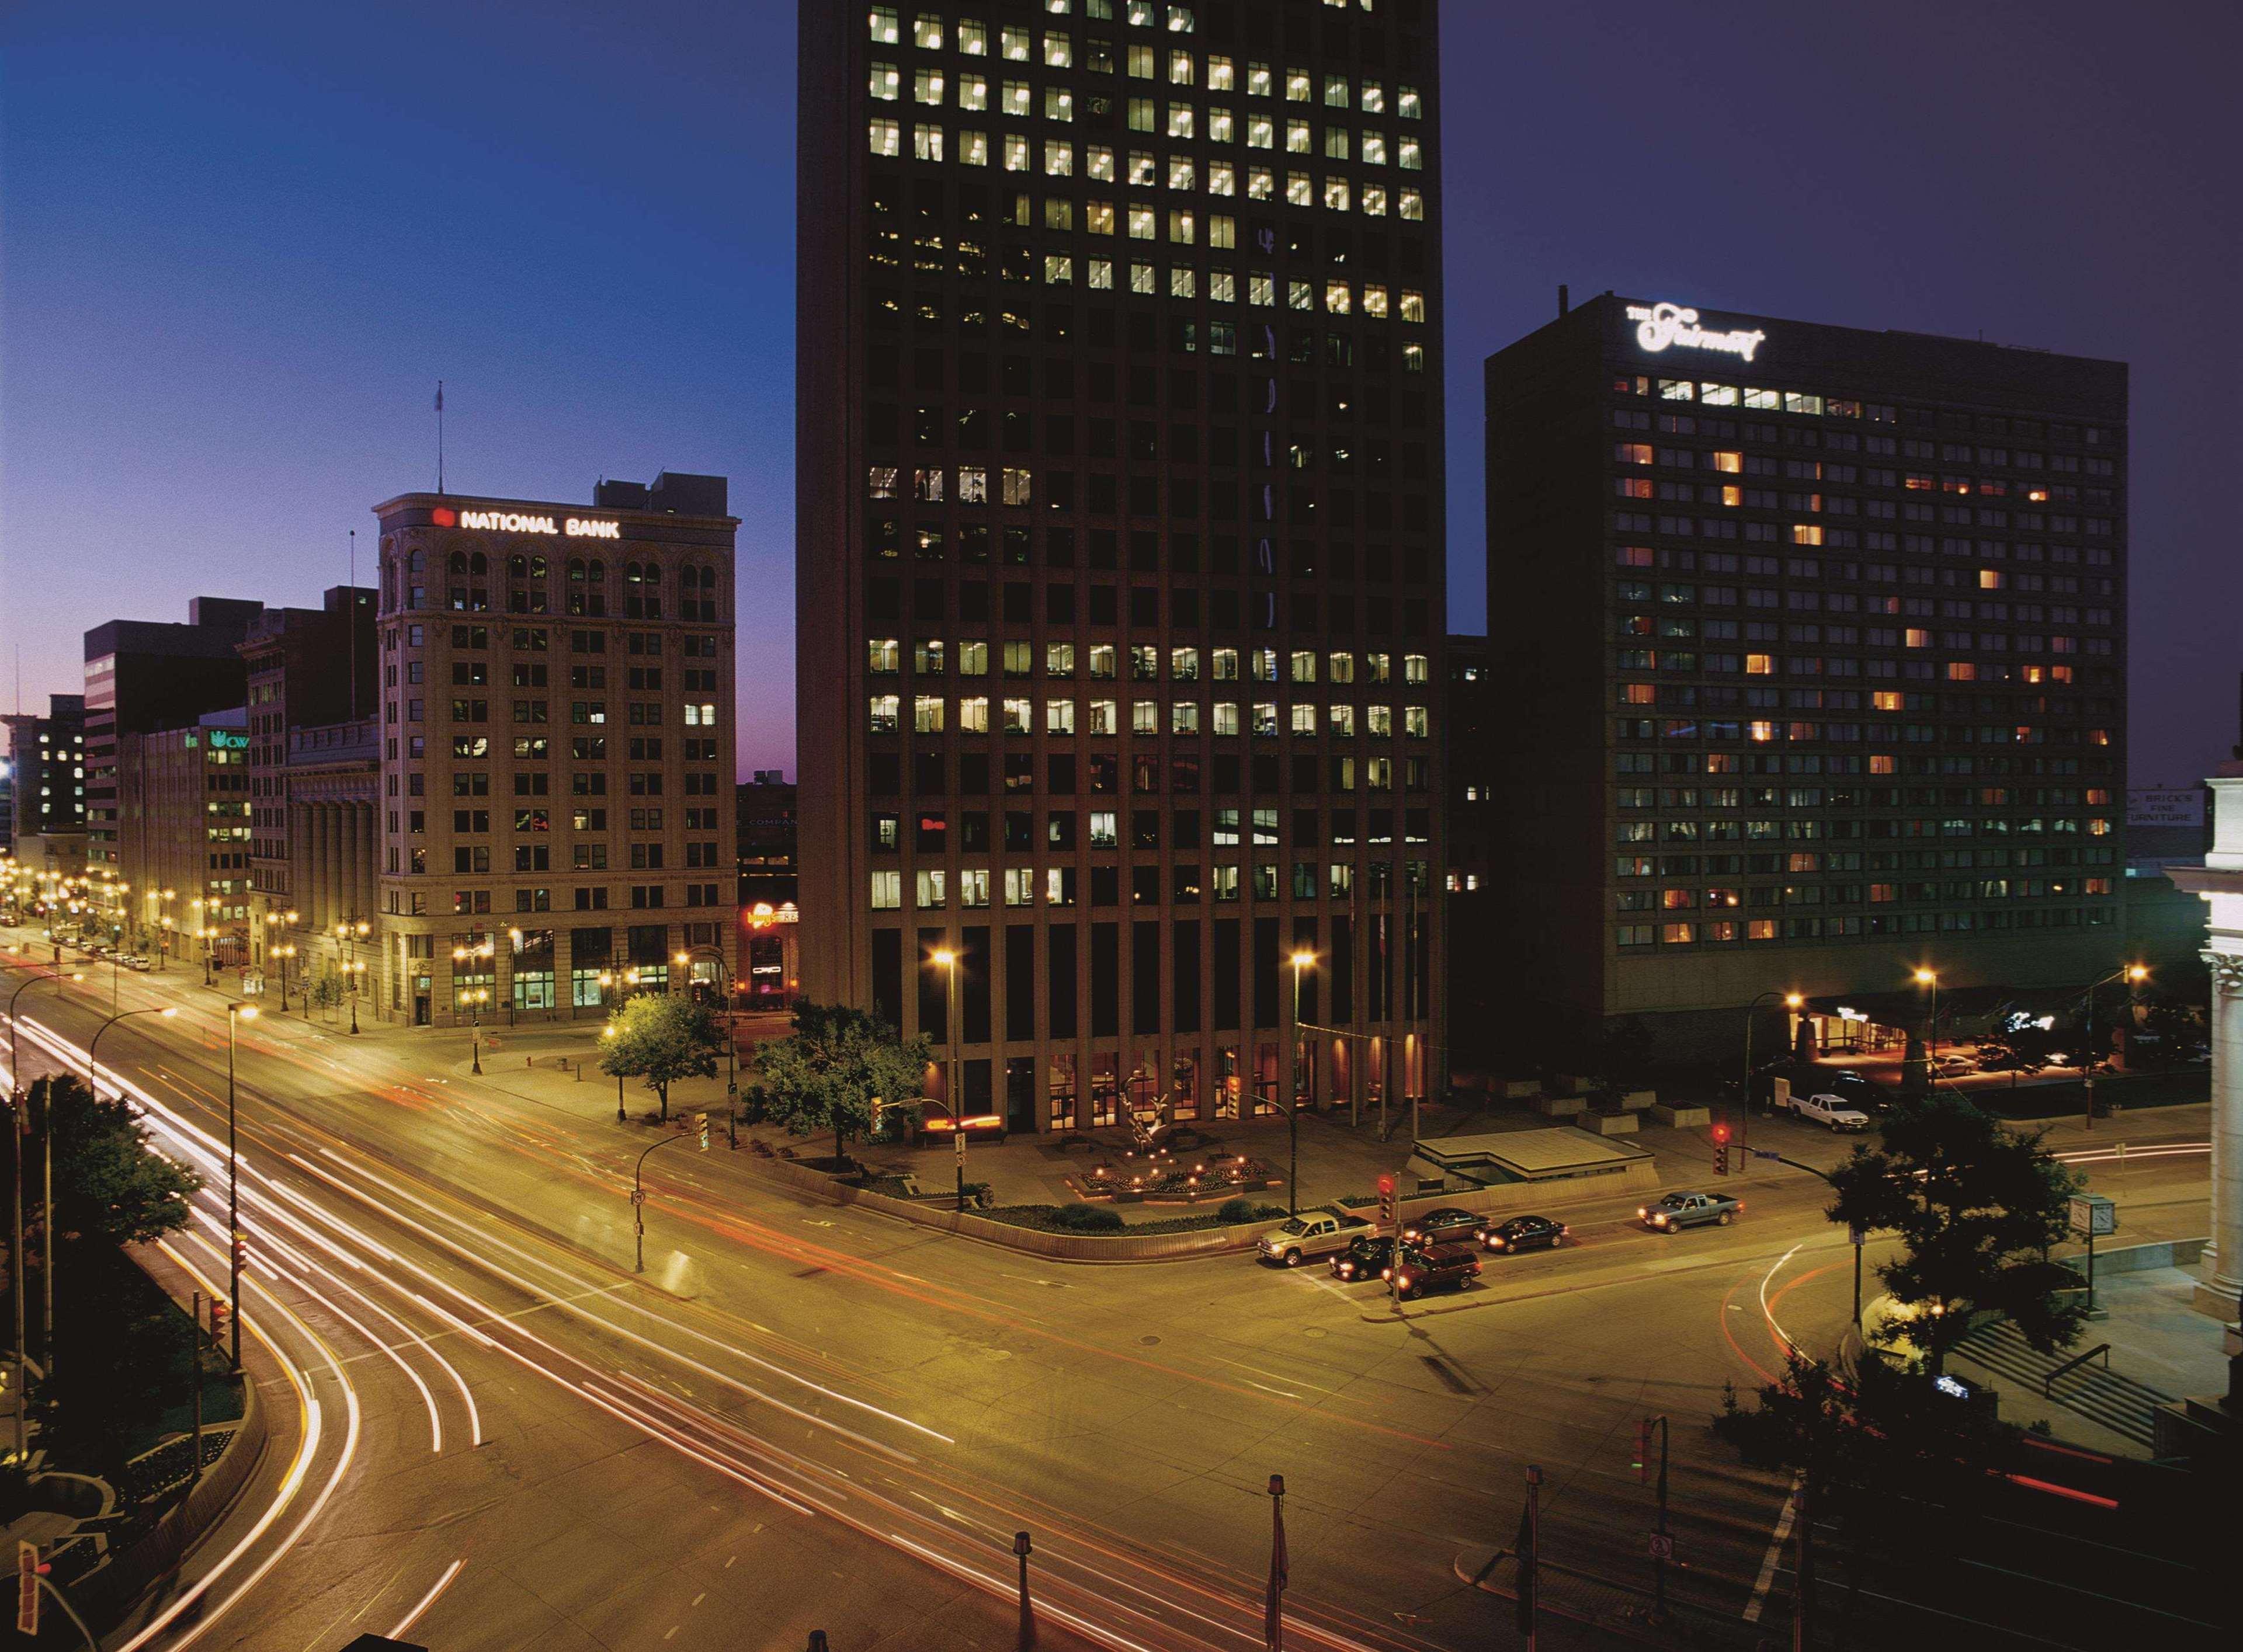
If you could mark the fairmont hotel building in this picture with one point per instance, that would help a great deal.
(557, 753)
(1121, 584)
(1808, 648)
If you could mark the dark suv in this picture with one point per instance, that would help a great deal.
(1435, 1268)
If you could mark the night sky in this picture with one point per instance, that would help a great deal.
(240, 245)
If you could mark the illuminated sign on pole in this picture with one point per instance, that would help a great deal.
(1660, 325)
(518, 522)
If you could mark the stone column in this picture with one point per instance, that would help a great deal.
(2223, 1259)
(352, 845)
(331, 861)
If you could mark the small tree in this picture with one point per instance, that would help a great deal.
(1977, 1208)
(662, 1039)
(834, 1071)
(111, 1187)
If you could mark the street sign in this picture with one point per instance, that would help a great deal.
(1859, 1235)
(2093, 1215)
(1767, 1152)
(1662, 1546)
(958, 1146)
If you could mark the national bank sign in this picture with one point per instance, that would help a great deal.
(1660, 326)
(516, 522)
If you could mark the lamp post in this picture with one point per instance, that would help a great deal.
(15, 1164)
(475, 998)
(350, 932)
(47, 1168)
(1301, 959)
(1791, 1001)
(1928, 979)
(946, 960)
(724, 980)
(235, 1013)
(2132, 975)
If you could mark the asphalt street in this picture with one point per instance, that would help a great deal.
(805, 1416)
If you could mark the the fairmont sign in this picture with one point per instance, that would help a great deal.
(518, 522)
(1660, 325)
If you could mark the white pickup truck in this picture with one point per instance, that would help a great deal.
(1829, 1110)
(1311, 1233)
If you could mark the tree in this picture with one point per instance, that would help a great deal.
(662, 1039)
(834, 1071)
(1977, 1208)
(111, 1187)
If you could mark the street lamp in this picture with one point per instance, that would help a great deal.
(235, 1013)
(1793, 1002)
(1928, 979)
(475, 998)
(716, 955)
(2133, 975)
(1303, 958)
(351, 932)
(609, 1031)
(946, 960)
(47, 1166)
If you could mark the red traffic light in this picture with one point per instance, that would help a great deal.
(1720, 1133)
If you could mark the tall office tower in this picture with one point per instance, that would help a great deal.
(142, 675)
(1121, 583)
(1811, 643)
(46, 827)
(557, 760)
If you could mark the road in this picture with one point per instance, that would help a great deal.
(807, 1416)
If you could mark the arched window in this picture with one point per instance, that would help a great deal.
(459, 562)
(479, 565)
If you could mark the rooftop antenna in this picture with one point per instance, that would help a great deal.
(440, 436)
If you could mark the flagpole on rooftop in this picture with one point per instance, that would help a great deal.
(439, 435)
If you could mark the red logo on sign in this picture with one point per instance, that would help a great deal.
(444, 516)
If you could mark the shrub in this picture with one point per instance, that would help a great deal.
(1235, 1210)
(1087, 1219)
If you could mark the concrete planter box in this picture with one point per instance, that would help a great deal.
(1520, 1089)
(1559, 1106)
(1636, 1101)
(1681, 1117)
(1608, 1124)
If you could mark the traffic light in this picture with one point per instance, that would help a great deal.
(218, 1323)
(1387, 1198)
(1720, 1150)
(1642, 1463)
(700, 1124)
(241, 1251)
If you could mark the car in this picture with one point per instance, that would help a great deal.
(1678, 1211)
(1954, 1066)
(141, 965)
(1365, 1258)
(1311, 1233)
(1829, 1110)
(1814, 1077)
(1442, 1226)
(1525, 1233)
(1434, 1267)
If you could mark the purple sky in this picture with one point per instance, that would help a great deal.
(242, 243)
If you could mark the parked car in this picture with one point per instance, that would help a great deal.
(1434, 1267)
(1814, 1078)
(1525, 1233)
(1311, 1233)
(1829, 1110)
(1678, 1210)
(1442, 1226)
(1955, 1067)
(1366, 1258)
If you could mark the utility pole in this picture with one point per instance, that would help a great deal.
(1028, 1638)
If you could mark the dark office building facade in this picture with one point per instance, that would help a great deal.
(1121, 586)
(1810, 645)
(46, 755)
(143, 676)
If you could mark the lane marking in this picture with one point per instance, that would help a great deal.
(1774, 1557)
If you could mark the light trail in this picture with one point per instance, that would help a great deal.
(426, 1600)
